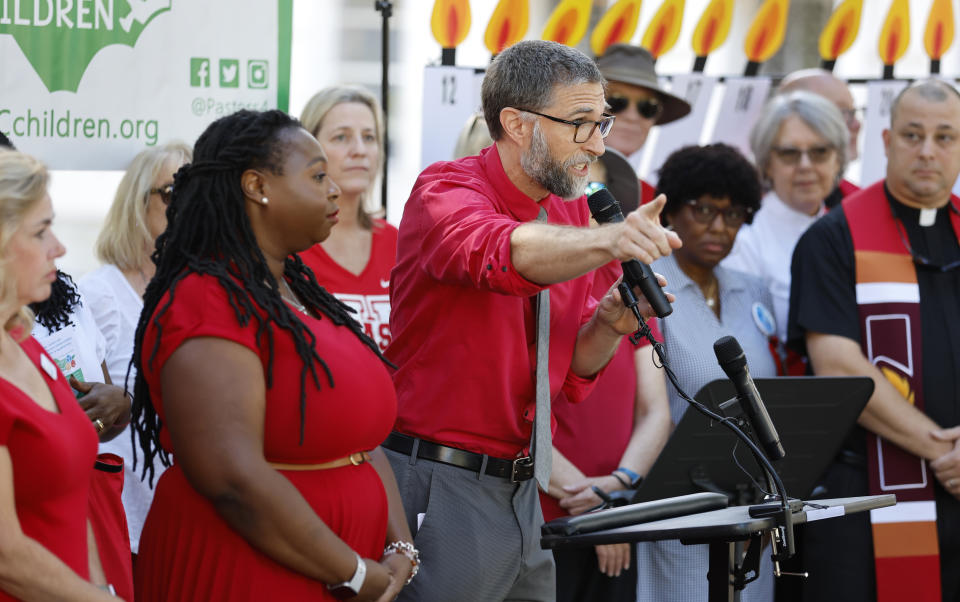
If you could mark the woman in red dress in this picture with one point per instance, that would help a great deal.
(47, 444)
(261, 386)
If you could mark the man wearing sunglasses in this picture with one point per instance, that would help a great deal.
(637, 100)
(492, 318)
(876, 292)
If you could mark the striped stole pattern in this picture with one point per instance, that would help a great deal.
(906, 551)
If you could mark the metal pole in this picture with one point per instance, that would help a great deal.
(386, 9)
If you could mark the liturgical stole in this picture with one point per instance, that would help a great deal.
(906, 551)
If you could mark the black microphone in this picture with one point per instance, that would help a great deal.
(734, 364)
(606, 210)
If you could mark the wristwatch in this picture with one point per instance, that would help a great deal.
(349, 589)
(634, 477)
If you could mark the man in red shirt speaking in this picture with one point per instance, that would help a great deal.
(495, 254)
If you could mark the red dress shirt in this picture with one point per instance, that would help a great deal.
(462, 320)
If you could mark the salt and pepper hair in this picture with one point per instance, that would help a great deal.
(316, 110)
(23, 182)
(931, 89)
(124, 240)
(526, 74)
(818, 113)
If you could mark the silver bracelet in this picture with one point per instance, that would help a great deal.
(406, 549)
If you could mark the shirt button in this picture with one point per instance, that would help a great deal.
(504, 268)
(489, 266)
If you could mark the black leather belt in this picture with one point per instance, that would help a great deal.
(516, 470)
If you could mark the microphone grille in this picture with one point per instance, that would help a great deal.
(603, 207)
(727, 350)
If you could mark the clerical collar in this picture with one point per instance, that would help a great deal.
(925, 217)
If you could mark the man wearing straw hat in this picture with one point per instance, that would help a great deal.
(493, 317)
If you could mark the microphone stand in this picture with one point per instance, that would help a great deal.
(385, 7)
(783, 540)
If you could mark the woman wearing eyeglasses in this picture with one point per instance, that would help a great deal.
(114, 291)
(712, 191)
(800, 149)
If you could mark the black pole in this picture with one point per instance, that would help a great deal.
(699, 63)
(888, 72)
(934, 66)
(752, 68)
(828, 64)
(386, 9)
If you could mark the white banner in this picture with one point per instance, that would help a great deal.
(86, 84)
(880, 96)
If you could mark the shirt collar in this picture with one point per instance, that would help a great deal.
(678, 279)
(776, 204)
(518, 204)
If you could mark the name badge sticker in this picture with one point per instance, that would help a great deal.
(764, 319)
(48, 367)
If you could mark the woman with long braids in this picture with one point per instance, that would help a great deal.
(263, 387)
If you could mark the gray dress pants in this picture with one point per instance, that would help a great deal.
(478, 536)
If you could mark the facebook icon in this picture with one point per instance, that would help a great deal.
(200, 73)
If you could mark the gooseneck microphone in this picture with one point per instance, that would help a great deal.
(606, 210)
(734, 364)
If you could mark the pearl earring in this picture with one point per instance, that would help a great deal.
(264, 200)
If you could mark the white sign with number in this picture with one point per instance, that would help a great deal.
(742, 103)
(697, 89)
(876, 118)
(450, 96)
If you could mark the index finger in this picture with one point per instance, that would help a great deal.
(652, 210)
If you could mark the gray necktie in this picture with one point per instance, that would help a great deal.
(540, 438)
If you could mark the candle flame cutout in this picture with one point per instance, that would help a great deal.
(713, 27)
(766, 33)
(507, 25)
(664, 28)
(841, 29)
(617, 25)
(938, 35)
(450, 22)
(895, 34)
(568, 22)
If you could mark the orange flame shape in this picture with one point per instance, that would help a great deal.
(568, 22)
(664, 28)
(617, 25)
(938, 35)
(767, 30)
(507, 25)
(899, 382)
(450, 22)
(895, 35)
(713, 27)
(841, 30)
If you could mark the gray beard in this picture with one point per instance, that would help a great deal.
(540, 165)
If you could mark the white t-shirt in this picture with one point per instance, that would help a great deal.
(79, 349)
(116, 309)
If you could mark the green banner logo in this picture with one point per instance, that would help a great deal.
(61, 37)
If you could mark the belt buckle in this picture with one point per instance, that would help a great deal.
(521, 469)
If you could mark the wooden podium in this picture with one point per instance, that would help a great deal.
(721, 529)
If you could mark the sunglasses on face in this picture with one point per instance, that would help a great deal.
(733, 217)
(649, 108)
(165, 192)
(790, 155)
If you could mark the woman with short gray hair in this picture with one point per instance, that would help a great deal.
(800, 149)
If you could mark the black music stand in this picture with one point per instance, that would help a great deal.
(719, 528)
(812, 416)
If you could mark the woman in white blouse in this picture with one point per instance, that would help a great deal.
(114, 292)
